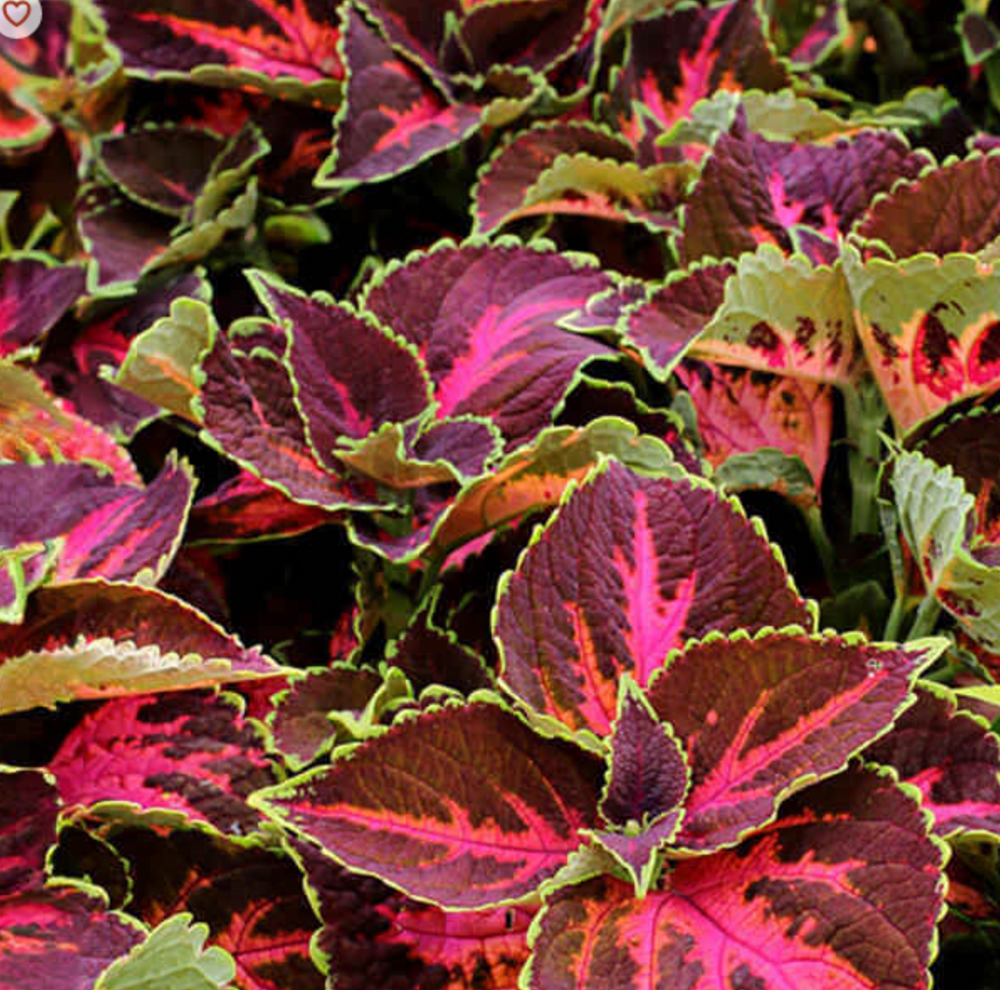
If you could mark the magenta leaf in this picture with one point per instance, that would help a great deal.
(250, 897)
(273, 39)
(629, 569)
(33, 296)
(373, 935)
(843, 891)
(59, 938)
(29, 807)
(189, 753)
(119, 532)
(647, 772)
(393, 117)
(391, 808)
(484, 319)
(951, 757)
(760, 718)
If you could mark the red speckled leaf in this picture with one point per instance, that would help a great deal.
(484, 318)
(59, 939)
(251, 899)
(951, 757)
(33, 295)
(392, 808)
(94, 639)
(350, 375)
(189, 752)
(119, 532)
(244, 508)
(949, 209)
(393, 117)
(682, 56)
(761, 718)
(663, 325)
(29, 806)
(843, 891)
(930, 329)
(374, 936)
(289, 40)
(629, 569)
(741, 411)
(516, 167)
(755, 191)
(34, 425)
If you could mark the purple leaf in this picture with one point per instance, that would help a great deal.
(33, 295)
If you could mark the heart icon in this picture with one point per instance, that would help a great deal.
(16, 11)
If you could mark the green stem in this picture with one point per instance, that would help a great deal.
(926, 617)
(814, 521)
(895, 620)
(865, 413)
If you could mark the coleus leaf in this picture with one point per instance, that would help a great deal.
(392, 117)
(119, 532)
(662, 326)
(813, 42)
(350, 375)
(29, 808)
(945, 210)
(250, 897)
(244, 508)
(742, 412)
(760, 718)
(929, 327)
(935, 516)
(33, 296)
(322, 707)
(22, 569)
(104, 343)
(951, 757)
(95, 639)
(681, 56)
(23, 128)
(515, 167)
(809, 895)
(373, 935)
(173, 957)
(188, 753)
(783, 315)
(510, 825)
(491, 340)
(36, 426)
(754, 191)
(535, 477)
(629, 569)
(59, 938)
(292, 44)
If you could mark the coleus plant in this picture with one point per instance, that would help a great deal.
(505, 318)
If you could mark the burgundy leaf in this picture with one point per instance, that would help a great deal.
(29, 807)
(843, 891)
(951, 757)
(392, 807)
(393, 118)
(629, 569)
(33, 295)
(484, 319)
(760, 718)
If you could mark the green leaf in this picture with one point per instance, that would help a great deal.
(173, 957)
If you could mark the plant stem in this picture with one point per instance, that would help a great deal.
(865, 412)
(891, 632)
(926, 617)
